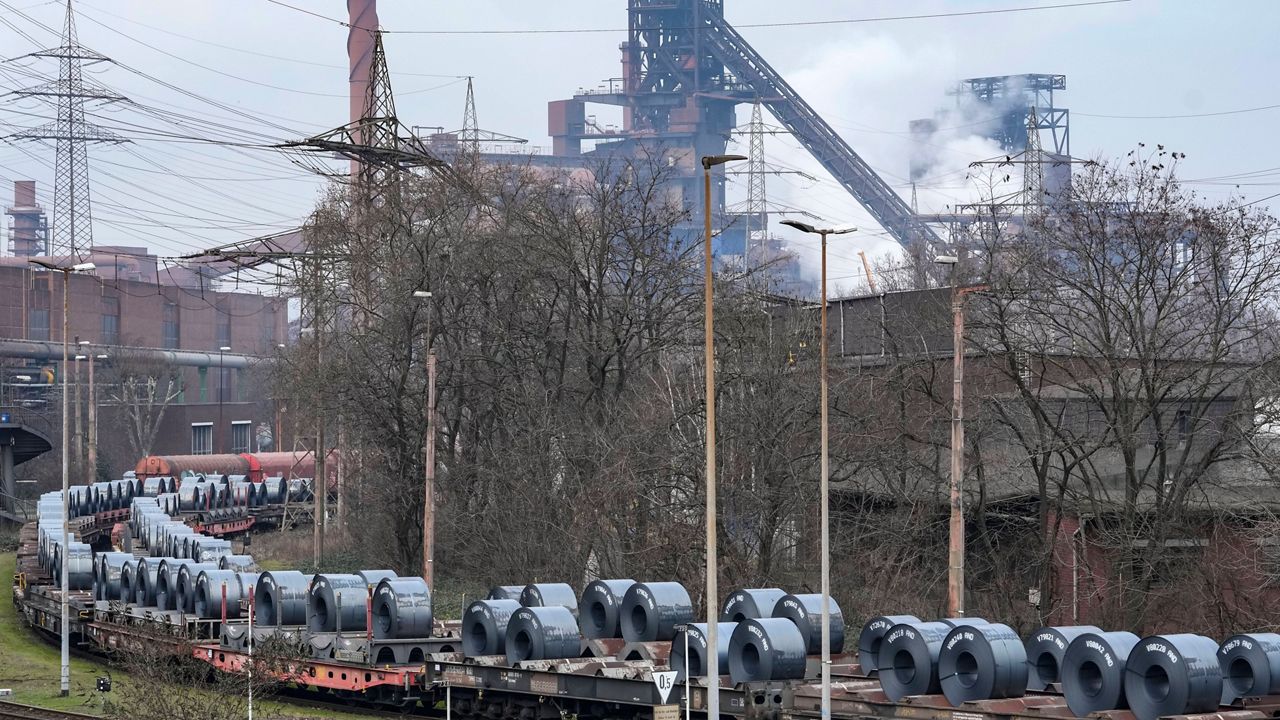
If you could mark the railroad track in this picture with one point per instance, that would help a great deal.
(18, 711)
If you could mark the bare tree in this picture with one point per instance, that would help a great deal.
(143, 388)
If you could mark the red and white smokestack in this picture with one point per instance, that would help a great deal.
(363, 18)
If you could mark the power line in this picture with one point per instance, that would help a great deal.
(796, 23)
(1241, 111)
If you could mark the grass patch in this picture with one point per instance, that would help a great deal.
(31, 666)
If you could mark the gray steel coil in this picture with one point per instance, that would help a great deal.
(275, 489)
(167, 583)
(1250, 666)
(336, 603)
(1093, 672)
(651, 611)
(806, 612)
(153, 486)
(239, 563)
(750, 603)
(402, 609)
(548, 594)
(79, 559)
(542, 633)
(208, 595)
(190, 497)
(373, 577)
(110, 566)
(248, 584)
(986, 662)
(209, 549)
(872, 634)
(600, 606)
(1045, 648)
(280, 598)
(127, 586)
(694, 637)
(963, 621)
(1173, 675)
(144, 582)
(484, 627)
(908, 663)
(766, 649)
(505, 592)
(187, 574)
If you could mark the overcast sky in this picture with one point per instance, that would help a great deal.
(286, 70)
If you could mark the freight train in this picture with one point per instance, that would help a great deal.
(620, 649)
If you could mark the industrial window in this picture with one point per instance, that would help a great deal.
(172, 329)
(110, 320)
(241, 431)
(38, 324)
(224, 385)
(204, 384)
(201, 438)
(224, 325)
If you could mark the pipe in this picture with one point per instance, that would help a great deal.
(43, 350)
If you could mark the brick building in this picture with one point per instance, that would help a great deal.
(133, 312)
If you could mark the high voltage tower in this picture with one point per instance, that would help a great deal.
(72, 217)
(757, 210)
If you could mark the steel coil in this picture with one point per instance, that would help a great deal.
(187, 574)
(872, 634)
(484, 627)
(806, 612)
(208, 595)
(1045, 648)
(1250, 666)
(766, 649)
(963, 621)
(110, 566)
(549, 594)
(751, 603)
(1093, 671)
(542, 633)
(280, 598)
(651, 611)
(986, 662)
(239, 563)
(694, 637)
(144, 582)
(167, 583)
(127, 586)
(505, 592)
(908, 663)
(336, 603)
(402, 609)
(373, 577)
(79, 560)
(599, 607)
(1173, 675)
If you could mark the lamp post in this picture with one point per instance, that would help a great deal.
(708, 347)
(222, 384)
(64, 581)
(955, 544)
(429, 451)
(825, 550)
(93, 419)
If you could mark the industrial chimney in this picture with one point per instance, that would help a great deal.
(363, 18)
(30, 226)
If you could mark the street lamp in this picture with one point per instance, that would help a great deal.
(429, 461)
(222, 382)
(708, 348)
(825, 550)
(64, 581)
(955, 545)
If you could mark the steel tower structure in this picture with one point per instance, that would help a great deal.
(684, 70)
(72, 219)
